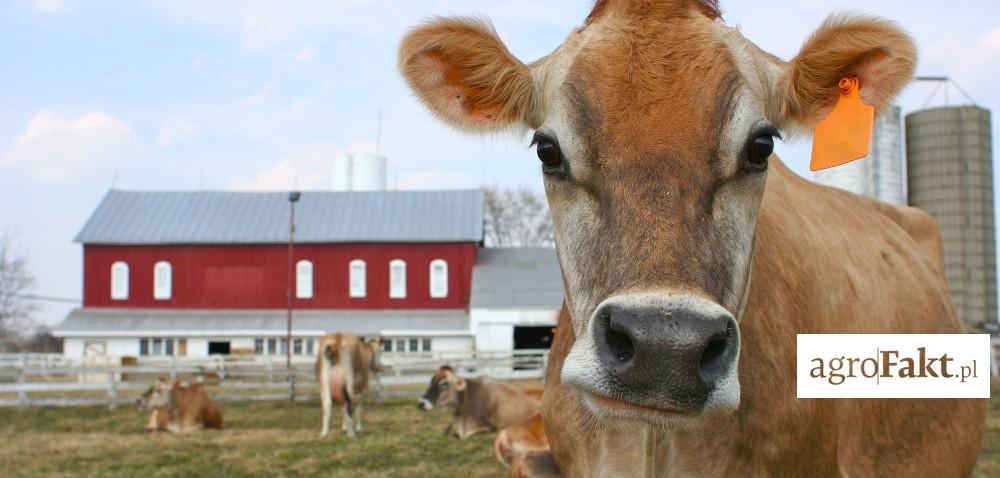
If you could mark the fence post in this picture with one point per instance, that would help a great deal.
(112, 390)
(22, 395)
(173, 368)
(291, 385)
(379, 390)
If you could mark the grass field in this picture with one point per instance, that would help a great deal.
(270, 439)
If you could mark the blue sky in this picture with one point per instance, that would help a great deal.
(259, 94)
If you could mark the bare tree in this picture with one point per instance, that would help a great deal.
(16, 281)
(517, 218)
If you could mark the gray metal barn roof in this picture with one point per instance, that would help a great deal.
(517, 278)
(135, 322)
(210, 217)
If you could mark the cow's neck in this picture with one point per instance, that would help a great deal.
(471, 389)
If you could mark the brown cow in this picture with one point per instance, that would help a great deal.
(481, 404)
(344, 369)
(654, 123)
(178, 408)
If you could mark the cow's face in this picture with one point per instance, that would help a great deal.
(158, 396)
(654, 124)
(375, 345)
(444, 391)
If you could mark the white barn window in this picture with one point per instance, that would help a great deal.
(358, 279)
(119, 281)
(439, 278)
(162, 280)
(397, 279)
(304, 280)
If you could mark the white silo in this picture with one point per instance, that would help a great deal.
(342, 172)
(359, 172)
(368, 173)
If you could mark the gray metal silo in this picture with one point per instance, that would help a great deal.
(950, 175)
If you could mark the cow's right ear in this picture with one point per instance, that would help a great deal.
(460, 384)
(464, 74)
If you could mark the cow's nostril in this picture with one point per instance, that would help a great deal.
(619, 344)
(714, 358)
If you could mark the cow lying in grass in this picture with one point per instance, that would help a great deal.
(481, 404)
(178, 408)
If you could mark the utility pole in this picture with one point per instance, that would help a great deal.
(293, 197)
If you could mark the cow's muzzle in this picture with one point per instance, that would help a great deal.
(425, 404)
(676, 355)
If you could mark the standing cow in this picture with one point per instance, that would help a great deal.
(178, 408)
(480, 404)
(654, 123)
(345, 367)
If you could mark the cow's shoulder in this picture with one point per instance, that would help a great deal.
(920, 226)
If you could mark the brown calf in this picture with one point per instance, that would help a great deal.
(179, 409)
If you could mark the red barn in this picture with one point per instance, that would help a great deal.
(194, 273)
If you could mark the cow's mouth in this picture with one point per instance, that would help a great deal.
(634, 410)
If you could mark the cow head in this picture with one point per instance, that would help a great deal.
(443, 391)
(159, 396)
(654, 124)
(375, 345)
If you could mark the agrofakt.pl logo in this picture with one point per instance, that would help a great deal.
(893, 366)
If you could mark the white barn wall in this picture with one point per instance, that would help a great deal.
(73, 347)
(494, 328)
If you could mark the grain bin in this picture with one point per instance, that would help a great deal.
(950, 175)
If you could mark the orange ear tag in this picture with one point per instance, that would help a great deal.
(846, 133)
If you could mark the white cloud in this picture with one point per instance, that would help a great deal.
(306, 53)
(301, 104)
(51, 6)
(53, 148)
(176, 131)
(438, 179)
(266, 23)
(258, 96)
(310, 167)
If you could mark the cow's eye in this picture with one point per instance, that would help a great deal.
(548, 152)
(760, 148)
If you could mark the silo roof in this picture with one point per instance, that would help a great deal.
(229, 217)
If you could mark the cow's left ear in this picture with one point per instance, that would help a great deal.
(876, 51)
(460, 384)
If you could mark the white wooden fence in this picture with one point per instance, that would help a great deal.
(52, 380)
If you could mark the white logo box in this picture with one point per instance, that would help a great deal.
(893, 365)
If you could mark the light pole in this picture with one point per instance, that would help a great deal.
(293, 197)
